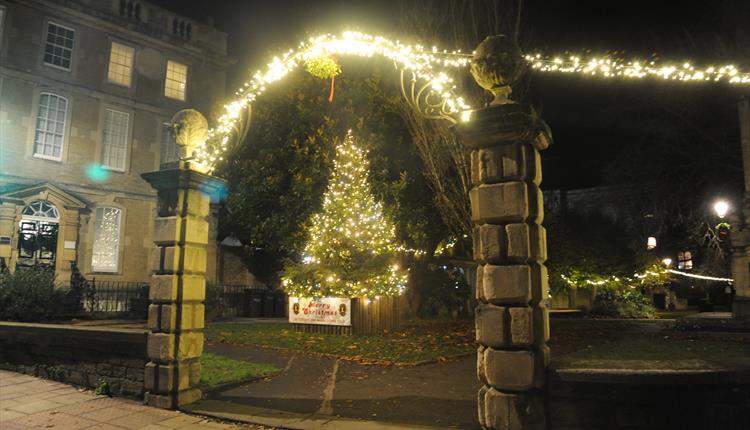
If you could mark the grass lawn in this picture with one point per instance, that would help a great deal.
(217, 370)
(660, 352)
(575, 343)
(412, 344)
(675, 314)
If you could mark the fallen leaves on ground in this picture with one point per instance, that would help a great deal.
(420, 342)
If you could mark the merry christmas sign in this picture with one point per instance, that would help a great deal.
(324, 311)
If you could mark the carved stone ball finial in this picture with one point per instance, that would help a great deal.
(496, 65)
(190, 130)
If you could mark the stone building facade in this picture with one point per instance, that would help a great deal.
(87, 88)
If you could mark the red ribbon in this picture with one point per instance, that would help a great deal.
(333, 81)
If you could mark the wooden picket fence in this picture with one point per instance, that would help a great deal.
(368, 317)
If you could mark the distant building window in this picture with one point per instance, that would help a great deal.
(130, 9)
(58, 51)
(120, 64)
(176, 80)
(106, 249)
(170, 151)
(115, 140)
(685, 260)
(50, 126)
(182, 29)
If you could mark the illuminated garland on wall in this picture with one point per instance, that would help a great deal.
(614, 281)
(642, 277)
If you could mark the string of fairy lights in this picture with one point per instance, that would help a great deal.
(616, 67)
(652, 274)
(351, 249)
(429, 65)
(437, 68)
(701, 277)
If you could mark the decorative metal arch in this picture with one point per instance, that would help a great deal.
(425, 77)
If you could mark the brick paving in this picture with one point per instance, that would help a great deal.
(27, 402)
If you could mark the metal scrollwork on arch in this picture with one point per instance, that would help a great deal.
(427, 83)
(424, 98)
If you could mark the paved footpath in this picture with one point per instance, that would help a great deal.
(321, 393)
(28, 403)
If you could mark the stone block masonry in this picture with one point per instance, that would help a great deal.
(84, 356)
(178, 262)
(636, 399)
(512, 323)
(510, 250)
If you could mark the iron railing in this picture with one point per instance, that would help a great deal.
(228, 301)
(94, 298)
(106, 298)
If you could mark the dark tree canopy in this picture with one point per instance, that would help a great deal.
(277, 176)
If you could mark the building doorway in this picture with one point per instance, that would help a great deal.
(37, 235)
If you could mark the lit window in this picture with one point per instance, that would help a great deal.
(120, 64)
(175, 81)
(41, 209)
(106, 240)
(170, 151)
(115, 139)
(58, 51)
(685, 260)
(50, 126)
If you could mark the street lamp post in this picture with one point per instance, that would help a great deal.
(721, 208)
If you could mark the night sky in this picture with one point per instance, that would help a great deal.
(591, 120)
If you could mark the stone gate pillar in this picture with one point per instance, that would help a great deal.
(740, 220)
(178, 284)
(512, 325)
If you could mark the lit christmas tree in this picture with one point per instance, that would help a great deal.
(351, 249)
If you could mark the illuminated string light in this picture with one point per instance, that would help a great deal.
(434, 67)
(642, 277)
(703, 277)
(427, 65)
(610, 67)
(351, 247)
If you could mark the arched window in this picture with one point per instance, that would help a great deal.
(41, 210)
(106, 251)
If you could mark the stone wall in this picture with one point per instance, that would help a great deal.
(78, 355)
(232, 271)
(611, 201)
(576, 298)
(608, 399)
